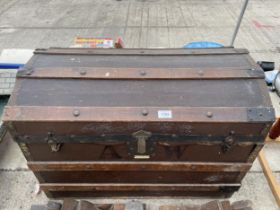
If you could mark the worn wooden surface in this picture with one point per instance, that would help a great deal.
(140, 172)
(131, 114)
(143, 73)
(162, 151)
(135, 166)
(79, 190)
(142, 51)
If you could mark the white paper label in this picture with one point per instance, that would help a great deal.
(164, 114)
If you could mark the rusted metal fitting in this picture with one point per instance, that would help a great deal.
(209, 114)
(143, 73)
(145, 112)
(83, 72)
(200, 73)
(228, 142)
(76, 112)
(55, 147)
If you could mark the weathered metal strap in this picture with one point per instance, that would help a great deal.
(141, 73)
(133, 52)
(117, 139)
(135, 187)
(136, 166)
(138, 114)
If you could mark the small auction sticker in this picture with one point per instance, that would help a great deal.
(164, 114)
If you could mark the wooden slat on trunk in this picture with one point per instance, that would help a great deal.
(142, 73)
(135, 166)
(136, 114)
(134, 187)
(129, 52)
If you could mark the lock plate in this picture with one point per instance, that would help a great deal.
(140, 147)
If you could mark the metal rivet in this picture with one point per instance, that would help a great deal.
(143, 73)
(145, 112)
(83, 72)
(76, 112)
(201, 73)
(209, 114)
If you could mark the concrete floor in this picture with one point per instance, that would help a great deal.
(141, 23)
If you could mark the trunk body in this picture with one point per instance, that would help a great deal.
(134, 122)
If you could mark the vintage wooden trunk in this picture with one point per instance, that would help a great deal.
(133, 122)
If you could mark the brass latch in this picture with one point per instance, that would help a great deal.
(142, 137)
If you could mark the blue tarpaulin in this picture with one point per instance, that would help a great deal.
(11, 65)
(203, 44)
